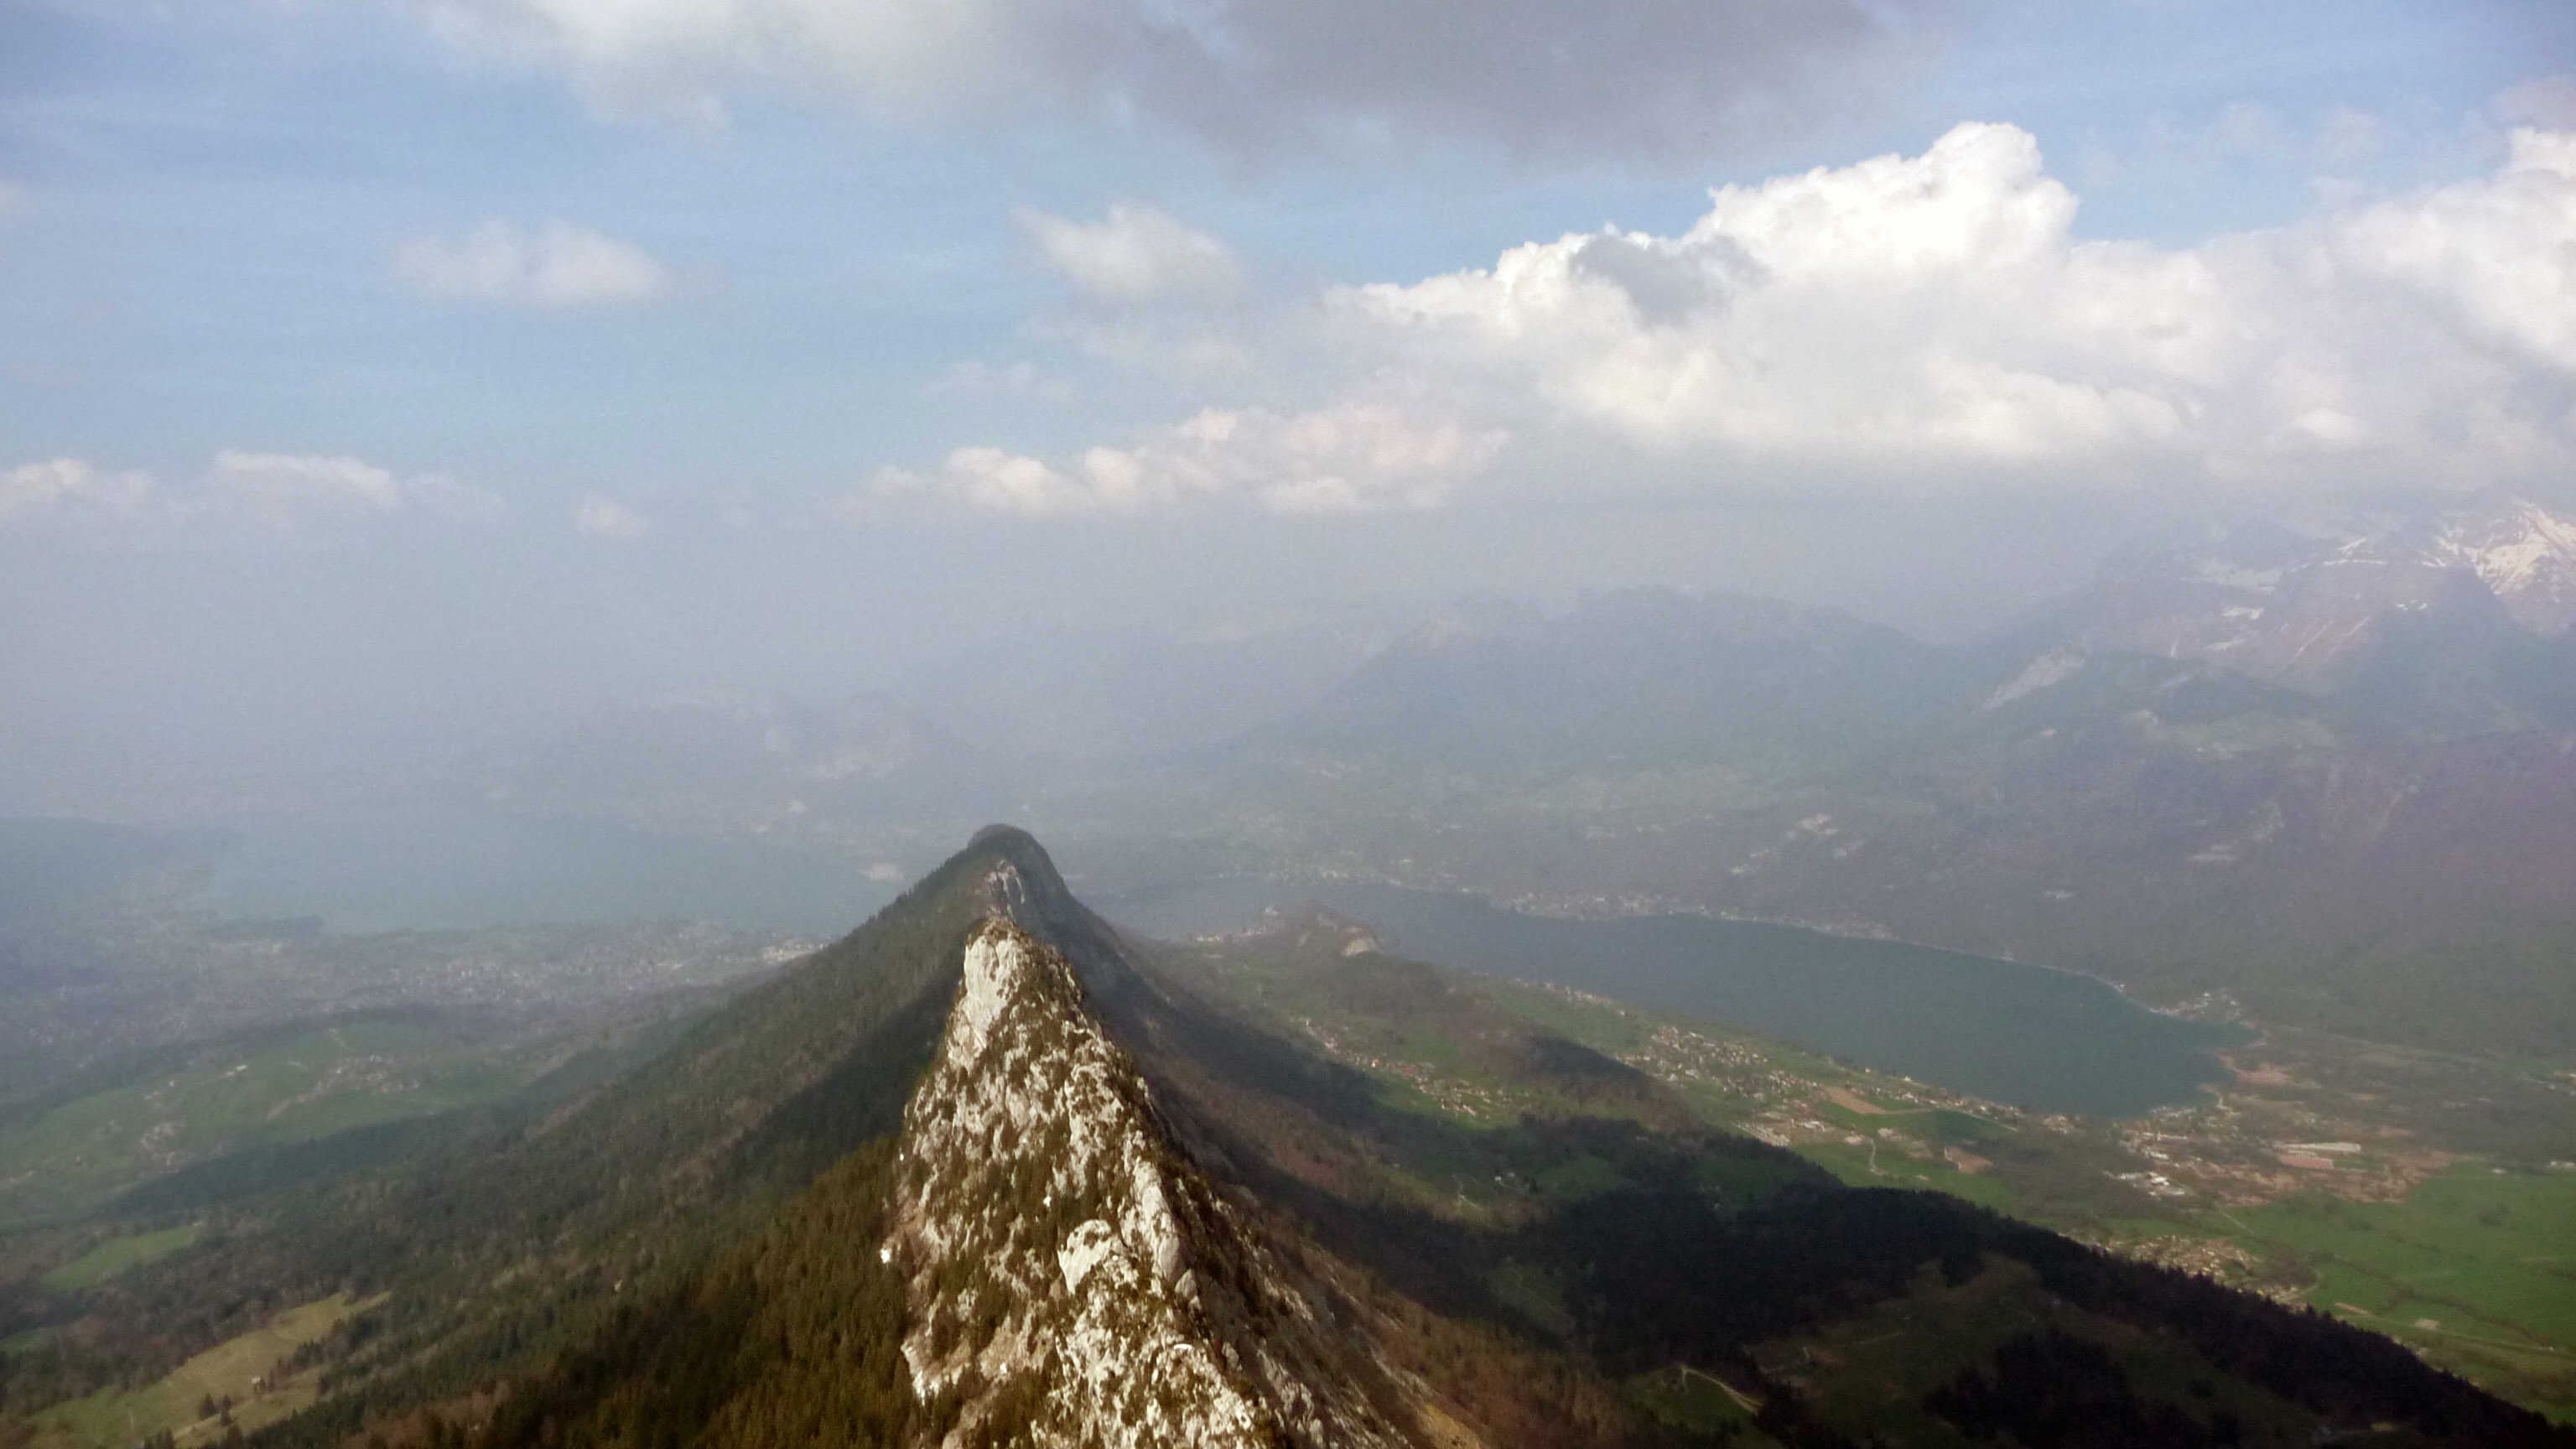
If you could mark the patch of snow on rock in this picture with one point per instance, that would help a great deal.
(2054, 667)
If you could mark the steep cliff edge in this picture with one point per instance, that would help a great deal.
(1074, 1278)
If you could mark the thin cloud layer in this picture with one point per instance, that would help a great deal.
(1625, 76)
(600, 516)
(1358, 457)
(280, 484)
(557, 266)
(262, 493)
(2548, 102)
(1136, 255)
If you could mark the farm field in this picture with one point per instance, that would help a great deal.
(2475, 1269)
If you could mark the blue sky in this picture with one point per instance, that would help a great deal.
(558, 320)
(207, 207)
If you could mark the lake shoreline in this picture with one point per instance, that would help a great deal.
(1676, 908)
(2036, 1036)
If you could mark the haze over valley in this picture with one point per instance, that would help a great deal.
(947, 724)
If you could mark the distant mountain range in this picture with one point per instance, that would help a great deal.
(2328, 774)
(2421, 626)
(1636, 680)
(2311, 611)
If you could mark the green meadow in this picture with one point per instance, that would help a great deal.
(291, 1086)
(116, 1255)
(2476, 1268)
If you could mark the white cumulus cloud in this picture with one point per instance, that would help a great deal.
(33, 488)
(1136, 254)
(1933, 317)
(1907, 324)
(555, 266)
(2502, 252)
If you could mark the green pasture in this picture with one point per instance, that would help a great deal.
(78, 1153)
(116, 1255)
(2475, 1268)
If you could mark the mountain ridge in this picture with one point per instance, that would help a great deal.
(986, 1172)
(2310, 609)
(1156, 1316)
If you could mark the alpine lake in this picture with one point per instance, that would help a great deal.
(2035, 1037)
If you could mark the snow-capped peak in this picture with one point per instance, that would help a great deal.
(2524, 552)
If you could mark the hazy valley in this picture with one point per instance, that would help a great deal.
(1797, 724)
(2324, 775)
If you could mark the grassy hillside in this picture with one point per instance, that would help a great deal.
(78, 1149)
